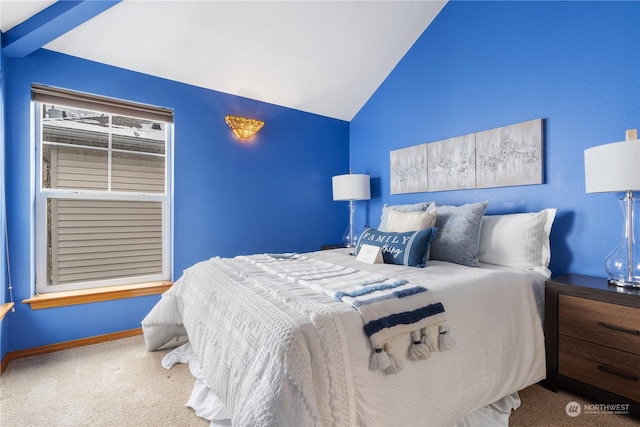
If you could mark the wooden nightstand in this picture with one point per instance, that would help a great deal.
(592, 338)
(332, 246)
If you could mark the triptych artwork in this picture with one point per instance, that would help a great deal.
(506, 156)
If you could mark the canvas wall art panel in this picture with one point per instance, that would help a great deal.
(451, 163)
(409, 169)
(510, 155)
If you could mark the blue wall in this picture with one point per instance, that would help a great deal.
(479, 66)
(271, 195)
(3, 266)
(483, 65)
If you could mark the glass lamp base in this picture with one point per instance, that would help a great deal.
(623, 284)
(350, 238)
(623, 263)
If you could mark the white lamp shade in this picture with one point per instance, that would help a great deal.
(612, 167)
(351, 187)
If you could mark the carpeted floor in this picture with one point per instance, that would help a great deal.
(118, 383)
(541, 407)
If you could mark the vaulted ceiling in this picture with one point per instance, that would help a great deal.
(323, 57)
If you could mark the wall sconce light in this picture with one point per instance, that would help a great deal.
(243, 128)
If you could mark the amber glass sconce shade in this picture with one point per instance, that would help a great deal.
(243, 127)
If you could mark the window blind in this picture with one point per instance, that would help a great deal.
(54, 95)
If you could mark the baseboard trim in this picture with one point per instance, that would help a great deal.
(66, 345)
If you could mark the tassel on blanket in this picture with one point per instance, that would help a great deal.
(445, 340)
(396, 364)
(428, 340)
(418, 350)
(379, 360)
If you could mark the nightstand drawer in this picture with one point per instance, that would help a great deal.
(603, 367)
(599, 322)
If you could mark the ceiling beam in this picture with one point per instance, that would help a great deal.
(49, 24)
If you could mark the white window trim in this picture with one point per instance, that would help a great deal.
(39, 215)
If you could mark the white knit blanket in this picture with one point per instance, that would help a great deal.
(280, 353)
(388, 307)
(257, 326)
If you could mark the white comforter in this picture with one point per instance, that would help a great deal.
(277, 353)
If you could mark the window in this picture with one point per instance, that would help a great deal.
(102, 202)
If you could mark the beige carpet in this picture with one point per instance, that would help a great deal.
(119, 384)
(116, 383)
(541, 407)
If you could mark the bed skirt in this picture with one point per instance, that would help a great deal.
(208, 406)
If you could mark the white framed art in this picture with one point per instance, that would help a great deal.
(506, 156)
(452, 163)
(510, 155)
(409, 169)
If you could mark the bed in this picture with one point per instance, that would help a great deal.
(271, 346)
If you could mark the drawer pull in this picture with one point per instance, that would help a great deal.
(616, 372)
(619, 328)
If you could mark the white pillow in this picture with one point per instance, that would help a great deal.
(403, 221)
(517, 240)
(423, 206)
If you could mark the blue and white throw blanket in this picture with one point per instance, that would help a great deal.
(388, 307)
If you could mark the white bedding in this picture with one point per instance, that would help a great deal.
(315, 371)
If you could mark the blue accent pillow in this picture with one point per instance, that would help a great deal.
(409, 248)
(459, 233)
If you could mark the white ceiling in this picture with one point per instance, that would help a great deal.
(323, 57)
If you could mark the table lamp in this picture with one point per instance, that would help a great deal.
(616, 168)
(351, 187)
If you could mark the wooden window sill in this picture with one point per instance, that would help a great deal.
(61, 299)
(4, 309)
